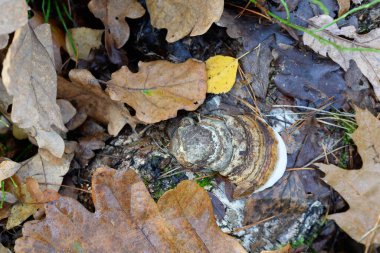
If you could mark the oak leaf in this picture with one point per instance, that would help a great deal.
(43, 168)
(46, 168)
(221, 72)
(113, 14)
(160, 88)
(367, 61)
(85, 93)
(128, 220)
(360, 188)
(188, 17)
(29, 199)
(29, 76)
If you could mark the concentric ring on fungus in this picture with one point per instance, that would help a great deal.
(244, 149)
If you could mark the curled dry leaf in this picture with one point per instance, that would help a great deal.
(188, 17)
(128, 219)
(367, 61)
(86, 95)
(113, 14)
(160, 88)
(13, 14)
(85, 39)
(29, 76)
(360, 188)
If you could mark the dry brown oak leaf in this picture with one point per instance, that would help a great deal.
(128, 220)
(113, 14)
(29, 76)
(85, 93)
(181, 18)
(160, 88)
(360, 188)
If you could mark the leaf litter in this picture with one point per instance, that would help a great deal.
(115, 94)
(181, 221)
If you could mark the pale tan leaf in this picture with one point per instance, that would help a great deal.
(3, 40)
(13, 14)
(360, 188)
(367, 61)
(4, 249)
(128, 219)
(85, 39)
(58, 37)
(187, 17)
(68, 111)
(113, 14)
(8, 168)
(160, 88)
(46, 168)
(86, 94)
(5, 98)
(29, 76)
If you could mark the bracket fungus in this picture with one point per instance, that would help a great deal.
(244, 149)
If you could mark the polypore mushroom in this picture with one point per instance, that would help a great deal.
(246, 150)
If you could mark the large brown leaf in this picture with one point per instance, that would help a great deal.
(186, 17)
(360, 188)
(128, 220)
(113, 14)
(160, 88)
(86, 95)
(29, 76)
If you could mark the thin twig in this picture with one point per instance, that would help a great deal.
(253, 224)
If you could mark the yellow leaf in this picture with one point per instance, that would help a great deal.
(221, 73)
